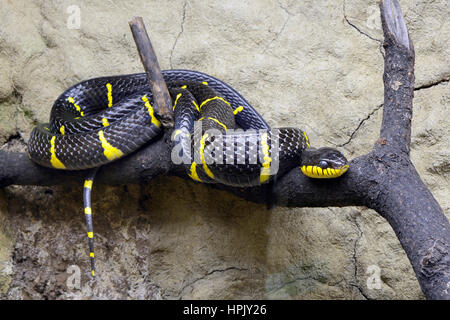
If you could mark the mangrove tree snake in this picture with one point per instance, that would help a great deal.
(218, 136)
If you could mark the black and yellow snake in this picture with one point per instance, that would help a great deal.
(218, 136)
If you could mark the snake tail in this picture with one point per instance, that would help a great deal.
(87, 192)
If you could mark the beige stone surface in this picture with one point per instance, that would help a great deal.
(316, 65)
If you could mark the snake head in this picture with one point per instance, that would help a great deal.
(323, 163)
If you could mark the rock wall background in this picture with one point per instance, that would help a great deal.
(313, 64)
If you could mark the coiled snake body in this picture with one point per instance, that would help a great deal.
(218, 136)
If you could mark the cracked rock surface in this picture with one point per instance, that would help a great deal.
(316, 65)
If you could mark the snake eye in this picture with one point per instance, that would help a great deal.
(323, 164)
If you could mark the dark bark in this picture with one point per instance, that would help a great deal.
(384, 179)
(161, 97)
(402, 198)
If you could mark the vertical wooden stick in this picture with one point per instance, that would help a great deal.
(161, 98)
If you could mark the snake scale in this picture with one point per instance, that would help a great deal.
(218, 136)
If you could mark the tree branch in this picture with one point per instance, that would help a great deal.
(384, 179)
(398, 78)
(161, 97)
